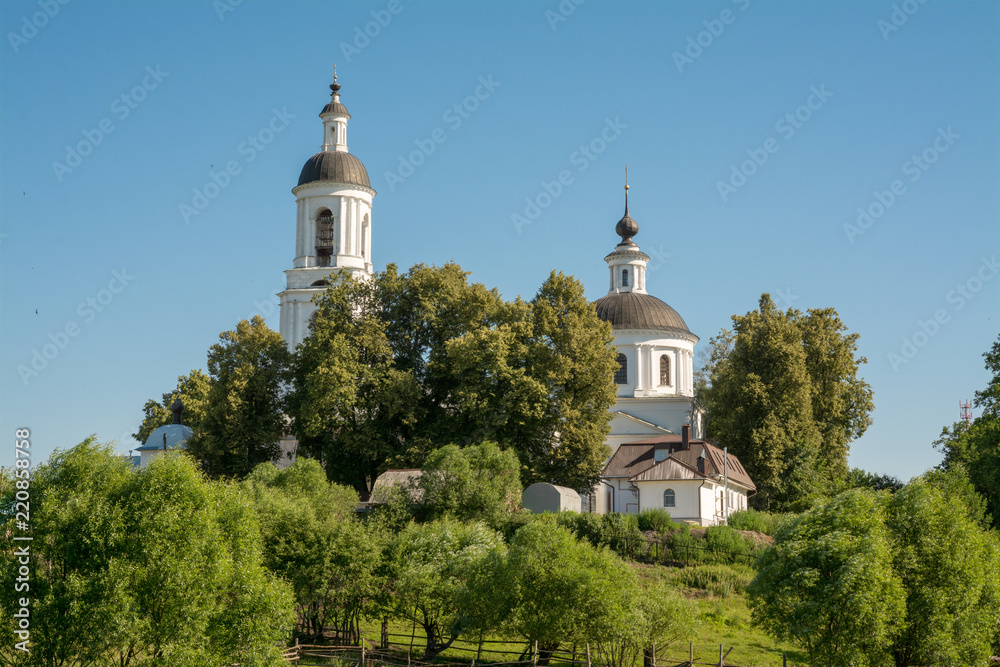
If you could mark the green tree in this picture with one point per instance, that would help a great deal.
(402, 363)
(552, 588)
(573, 356)
(474, 483)
(431, 563)
(192, 390)
(976, 447)
(312, 540)
(950, 570)
(841, 399)
(154, 567)
(828, 583)
(785, 396)
(352, 406)
(857, 478)
(243, 417)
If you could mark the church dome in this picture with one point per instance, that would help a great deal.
(335, 107)
(172, 436)
(336, 166)
(634, 310)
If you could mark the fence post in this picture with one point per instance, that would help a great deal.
(534, 657)
(720, 656)
(362, 651)
(588, 654)
(385, 632)
(691, 652)
(784, 660)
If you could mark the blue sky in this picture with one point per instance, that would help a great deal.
(754, 132)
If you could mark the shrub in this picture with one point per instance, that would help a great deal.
(682, 545)
(588, 527)
(514, 521)
(621, 533)
(725, 540)
(761, 522)
(657, 519)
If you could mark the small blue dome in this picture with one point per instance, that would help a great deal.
(175, 436)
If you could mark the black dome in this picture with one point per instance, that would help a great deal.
(629, 310)
(335, 107)
(336, 166)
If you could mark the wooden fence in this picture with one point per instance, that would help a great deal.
(401, 655)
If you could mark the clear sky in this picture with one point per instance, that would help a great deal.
(753, 132)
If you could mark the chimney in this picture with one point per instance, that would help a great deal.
(686, 436)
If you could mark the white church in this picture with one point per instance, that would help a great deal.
(655, 401)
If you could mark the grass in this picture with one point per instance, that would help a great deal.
(716, 592)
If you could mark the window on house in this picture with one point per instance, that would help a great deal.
(664, 370)
(624, 277)
(669, 500)
(621, 375)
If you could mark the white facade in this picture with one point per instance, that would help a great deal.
(332, 227)
(656, 385)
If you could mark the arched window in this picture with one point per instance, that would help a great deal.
(324, 237)
(664, 370)
(669, 499)
(621, 375)
(624, 277)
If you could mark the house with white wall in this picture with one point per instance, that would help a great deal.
(695, 481)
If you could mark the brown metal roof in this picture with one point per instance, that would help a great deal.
(335, 166)
(335, 107)
(630, 310)
(635, 460)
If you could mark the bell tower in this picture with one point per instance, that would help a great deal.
(333, 202)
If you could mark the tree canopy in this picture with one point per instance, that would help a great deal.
(403, 363)
(872, 578)
(243, 418)
(976, 447)
(152, 567)
(783, 393)
(478, 482)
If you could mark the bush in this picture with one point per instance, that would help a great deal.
(514, 521)
(725, 540)
(620, 532)
(588, 527)
(682, 545)
(657, 519)
(760, 522)
(721, 580)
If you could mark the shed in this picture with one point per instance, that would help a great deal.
(543, 497)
